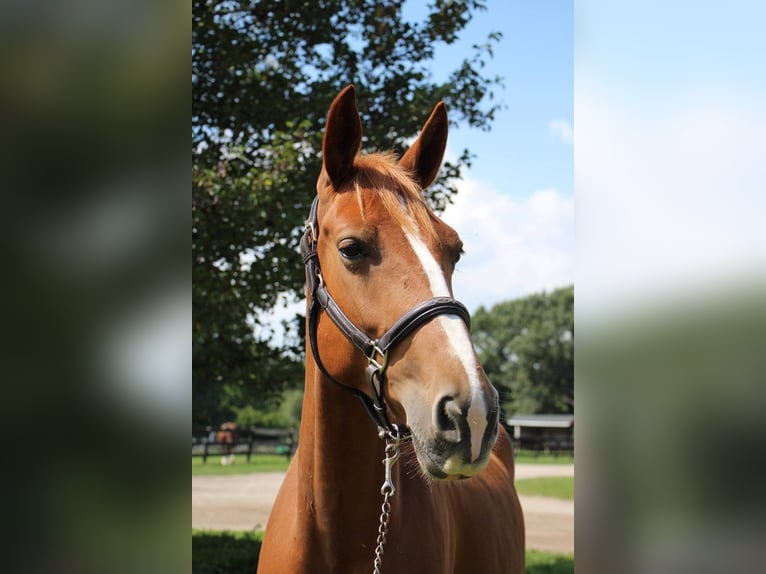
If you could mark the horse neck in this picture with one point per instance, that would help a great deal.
(340, 455)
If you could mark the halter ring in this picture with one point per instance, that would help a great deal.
(372, 359)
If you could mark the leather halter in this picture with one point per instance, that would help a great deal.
(376, 350)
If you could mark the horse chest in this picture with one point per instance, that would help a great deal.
(303, 539)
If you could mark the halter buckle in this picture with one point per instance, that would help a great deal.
(311, 226)
(311, 222)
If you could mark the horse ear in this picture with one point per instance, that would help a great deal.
(424, 158)
(342, 136)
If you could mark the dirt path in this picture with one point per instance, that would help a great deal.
(243, 502)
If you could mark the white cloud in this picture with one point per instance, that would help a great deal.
(513, 247)
(271, 326)
(562, 130)
(670, 197)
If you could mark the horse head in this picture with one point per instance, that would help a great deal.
(382, 251)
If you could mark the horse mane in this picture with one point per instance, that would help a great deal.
(397, 189)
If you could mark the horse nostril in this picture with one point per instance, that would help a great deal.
(446, 414)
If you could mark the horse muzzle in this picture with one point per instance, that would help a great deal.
(458, 443)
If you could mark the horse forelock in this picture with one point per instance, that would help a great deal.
(399, 193)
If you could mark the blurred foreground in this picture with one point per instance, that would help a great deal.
(96, 298)
(671, 437)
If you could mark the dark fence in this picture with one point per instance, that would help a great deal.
(247, 441)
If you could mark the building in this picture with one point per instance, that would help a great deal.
(547, 433)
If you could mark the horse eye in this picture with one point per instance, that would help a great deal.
(351, 249)
(457, 257)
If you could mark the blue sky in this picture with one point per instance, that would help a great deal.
(535, 57)
(515, 206)
(662, 52)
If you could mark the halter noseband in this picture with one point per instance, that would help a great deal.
(376, 350)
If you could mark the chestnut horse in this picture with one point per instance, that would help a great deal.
(227, 439)
(382, 326)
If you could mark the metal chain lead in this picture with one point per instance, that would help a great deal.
(387, 490)
(382, 529)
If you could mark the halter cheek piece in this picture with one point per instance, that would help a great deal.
(376, 350)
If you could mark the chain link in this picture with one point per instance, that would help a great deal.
(387, 490)
(385, 511)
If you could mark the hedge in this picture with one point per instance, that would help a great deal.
(228, 552)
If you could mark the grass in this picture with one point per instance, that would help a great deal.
(228, 552)
(276, 462)
(552, 486)
(258, 463)
(549, 563)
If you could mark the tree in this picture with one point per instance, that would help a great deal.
(263, 76)
(527, 349)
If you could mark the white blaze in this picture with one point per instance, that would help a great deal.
(460, 342)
